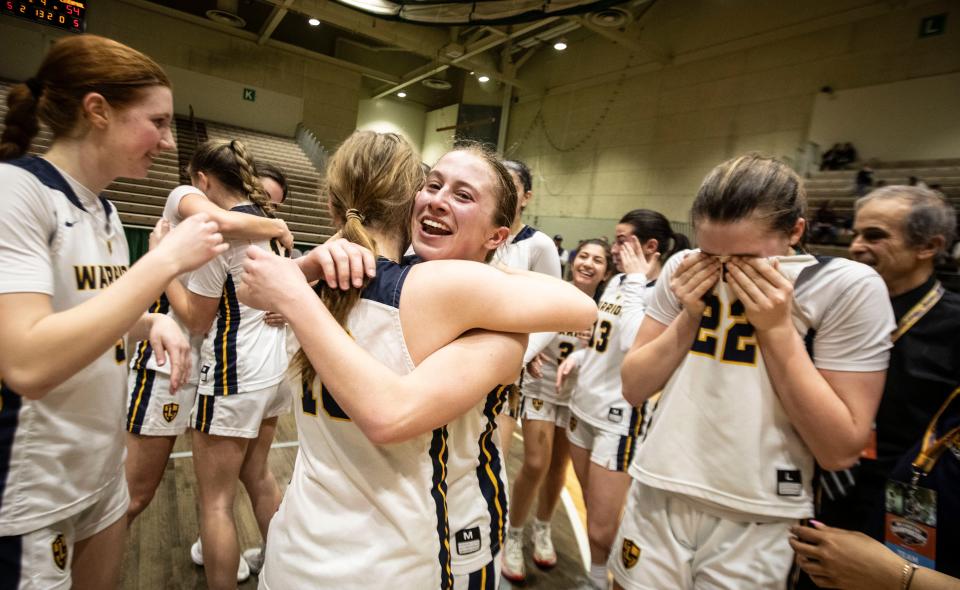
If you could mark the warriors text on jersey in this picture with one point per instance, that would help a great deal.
(59, 452)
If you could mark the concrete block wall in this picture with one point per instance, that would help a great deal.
(744, 77)
(330, 93)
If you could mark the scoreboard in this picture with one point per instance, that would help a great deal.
(69, 15)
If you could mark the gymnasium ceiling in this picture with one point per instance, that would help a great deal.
(429, 63)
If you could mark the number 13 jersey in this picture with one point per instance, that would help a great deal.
(720, 433)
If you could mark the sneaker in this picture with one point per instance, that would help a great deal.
(254, 558)
(196, 556)
(513, 567)
(544, 555)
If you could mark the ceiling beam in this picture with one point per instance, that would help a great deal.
(252, 37)
(279, 11)
(420, 40)
(487, 43)
(652, 50)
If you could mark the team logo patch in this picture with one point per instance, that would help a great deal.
(789, 482)
(59, 548)
(615, 415)
(537, 404)
(170, 411)
(573, 423)
(629, 553)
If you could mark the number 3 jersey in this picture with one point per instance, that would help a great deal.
(598, 396)
(720, 433)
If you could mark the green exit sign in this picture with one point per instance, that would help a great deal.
(249, 94)
(933, 25)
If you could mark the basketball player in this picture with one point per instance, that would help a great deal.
(527, 248)
(68, 303)
(242, 361)
(388, 450)
(768, 360)
(604, 428)
(545, 414)
(155, 415)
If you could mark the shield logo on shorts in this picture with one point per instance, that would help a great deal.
(537, 404)
(629, 553)
(59, 547)
(170, 411)
(573, 423)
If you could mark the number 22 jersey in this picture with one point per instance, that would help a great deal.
(720, 433)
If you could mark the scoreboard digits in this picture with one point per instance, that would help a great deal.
(69, 15)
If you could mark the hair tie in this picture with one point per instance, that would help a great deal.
(355, 214)
(35, 86)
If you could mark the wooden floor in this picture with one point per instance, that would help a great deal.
(158, 548)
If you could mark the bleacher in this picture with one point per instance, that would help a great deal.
(838, 185)
(140, 201)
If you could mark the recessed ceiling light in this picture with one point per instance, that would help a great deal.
(314, 22)
(483, 78)
(402, 94)
(561, 44)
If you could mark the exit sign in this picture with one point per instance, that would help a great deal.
(933, 25)
(249, 94)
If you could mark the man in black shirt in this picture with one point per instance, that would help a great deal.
(900, 231)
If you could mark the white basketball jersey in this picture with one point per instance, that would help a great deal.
(598, 396)
(57, 453)
(143, 357)
(530, 249)
(720, 433)
(360, 515)
(240, 352)
(477, 494)
(559, 348)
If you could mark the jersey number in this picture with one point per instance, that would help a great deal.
(739, 342)
(309, 402)
(120, 352)
(600, 336)
(565, 349)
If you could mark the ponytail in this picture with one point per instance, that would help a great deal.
(249, 181)
(652, 225)
(371, 181)
(74, 67)
(21, 124)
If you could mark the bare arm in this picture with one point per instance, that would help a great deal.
(386, 406)
(492, 299)
(831, 410)
(235, 225)
(31, 333)
(195, 311)
(659, 349)
(849, 560)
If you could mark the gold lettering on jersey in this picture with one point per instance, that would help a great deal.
(610, 308)
(572, 334)
(90, 276)
(629, 553)
(59, 549)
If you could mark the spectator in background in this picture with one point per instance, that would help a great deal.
(824, 228)
(563, 254)
(899, 231)
(914, 181)
(829, 159)
(864, 180)
(846, 156)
